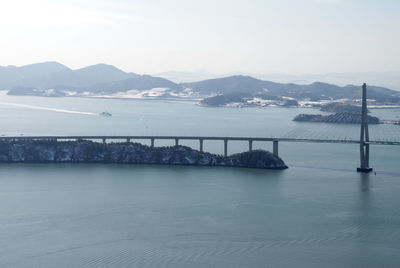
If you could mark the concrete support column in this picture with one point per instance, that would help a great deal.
(128, 140)
(364, 137)
(367, 155)
(152, 142)
(250, 145)
(201, 145)
(225, 147)
(275, 148)
(176, 142)
(104, 141)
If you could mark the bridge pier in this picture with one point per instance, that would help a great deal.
(364, 137)
(225, 147)
(128, 140)
(152, 142)
(201, 145)
(275, 148)
(176, 142)
(104, 141)
(250, 145)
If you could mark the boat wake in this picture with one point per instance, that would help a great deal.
(45, 108)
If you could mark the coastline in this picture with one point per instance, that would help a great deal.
(197, 101)
(129, 153)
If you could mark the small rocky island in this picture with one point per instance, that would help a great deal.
(346, 118)
(128, 153)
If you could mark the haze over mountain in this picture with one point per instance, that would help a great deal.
(246, 86)
(11, 76)
(55, 79)
(53, 75)
(385, 79)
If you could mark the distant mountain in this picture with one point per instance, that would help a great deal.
(143, 82)
(100, 73)
(384, 79)
(232, 84)
(317, 91)
(65, 78)
(12, 76)
(54, 79)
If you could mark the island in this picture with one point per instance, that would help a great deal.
(346, 118)
(84, 151)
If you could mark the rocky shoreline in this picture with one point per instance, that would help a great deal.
(128, 153)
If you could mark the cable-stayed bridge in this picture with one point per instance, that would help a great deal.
(383, 134)
(201, 139)
(325, 131)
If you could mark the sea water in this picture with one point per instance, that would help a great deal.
(317, 213)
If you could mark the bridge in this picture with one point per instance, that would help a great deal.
(200, 139)
(364, 141)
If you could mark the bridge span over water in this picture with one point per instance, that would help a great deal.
(364, 141)
(200, 139)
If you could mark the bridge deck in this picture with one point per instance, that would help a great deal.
(201, 138)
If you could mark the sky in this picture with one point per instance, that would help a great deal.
(219, 36)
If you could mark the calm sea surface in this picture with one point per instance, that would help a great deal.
(317, 213)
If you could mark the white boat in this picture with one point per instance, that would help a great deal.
(105, 113)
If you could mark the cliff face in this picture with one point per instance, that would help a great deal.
(128, 153)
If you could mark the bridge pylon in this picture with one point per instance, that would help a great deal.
(364, 137)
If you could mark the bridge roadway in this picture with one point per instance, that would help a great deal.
(201, 140)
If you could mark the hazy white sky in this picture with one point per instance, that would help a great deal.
(149, 36)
